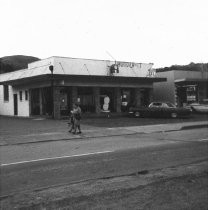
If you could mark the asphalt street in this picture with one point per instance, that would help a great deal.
(12, 154)
(42, 165)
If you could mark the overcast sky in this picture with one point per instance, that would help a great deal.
(163, 32)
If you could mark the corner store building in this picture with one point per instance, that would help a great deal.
(39, 91)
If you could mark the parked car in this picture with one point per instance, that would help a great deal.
(159, 109)
(199, 107)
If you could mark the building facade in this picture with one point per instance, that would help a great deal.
(182, 86)
(49, 87)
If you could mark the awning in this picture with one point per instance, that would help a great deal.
(190, 81)
(83, 79)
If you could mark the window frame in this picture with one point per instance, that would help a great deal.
(20, 95)
(26, 95)
(6, 93)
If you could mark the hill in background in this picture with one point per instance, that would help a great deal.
(15, 62)
(190, 67)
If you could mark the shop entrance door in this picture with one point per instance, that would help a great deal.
(35, 102)
(145, 100)
(181, 96)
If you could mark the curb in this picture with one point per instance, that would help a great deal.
(194, 126)
(186, 127)
(67, 139)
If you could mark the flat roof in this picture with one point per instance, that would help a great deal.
(83, 79)
(95, 59)
(191, 81)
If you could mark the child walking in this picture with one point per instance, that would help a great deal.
(71, 122)
(76, 113)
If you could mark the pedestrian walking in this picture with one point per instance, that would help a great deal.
(71, 122)
(76, 117)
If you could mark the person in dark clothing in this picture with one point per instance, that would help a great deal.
(76, 117)
(71, 122)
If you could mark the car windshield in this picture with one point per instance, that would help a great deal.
(170, 104)
(155, 104)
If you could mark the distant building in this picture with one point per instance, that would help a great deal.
(182, 86)
(50, 86)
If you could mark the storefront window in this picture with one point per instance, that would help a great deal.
(125, 99)
(107, 94)
(86, 99)
(191, 93)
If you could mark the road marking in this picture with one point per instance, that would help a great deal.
(53, 158)
(203, 139)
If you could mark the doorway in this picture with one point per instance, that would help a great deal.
(145, 97)
(107, 92)
(181, 96)
(35, 102)
(15, 104)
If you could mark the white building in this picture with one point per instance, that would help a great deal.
(51, 86)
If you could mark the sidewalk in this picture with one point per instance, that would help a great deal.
(24, 131)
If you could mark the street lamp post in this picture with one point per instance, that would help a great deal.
(51, 69)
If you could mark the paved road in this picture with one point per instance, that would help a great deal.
(35, 151)
(35, 166)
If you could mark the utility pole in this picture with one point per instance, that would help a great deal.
(52, 92)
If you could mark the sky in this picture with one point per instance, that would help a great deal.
(163, 32)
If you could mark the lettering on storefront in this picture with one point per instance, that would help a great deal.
(151, 73)
(126, 64)
(191, 93)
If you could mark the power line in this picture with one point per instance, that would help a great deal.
(111, 56)
(62, 67)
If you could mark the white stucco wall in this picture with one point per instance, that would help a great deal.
(7, 107)
(78, 66)
(41, 63)
(23, 106)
